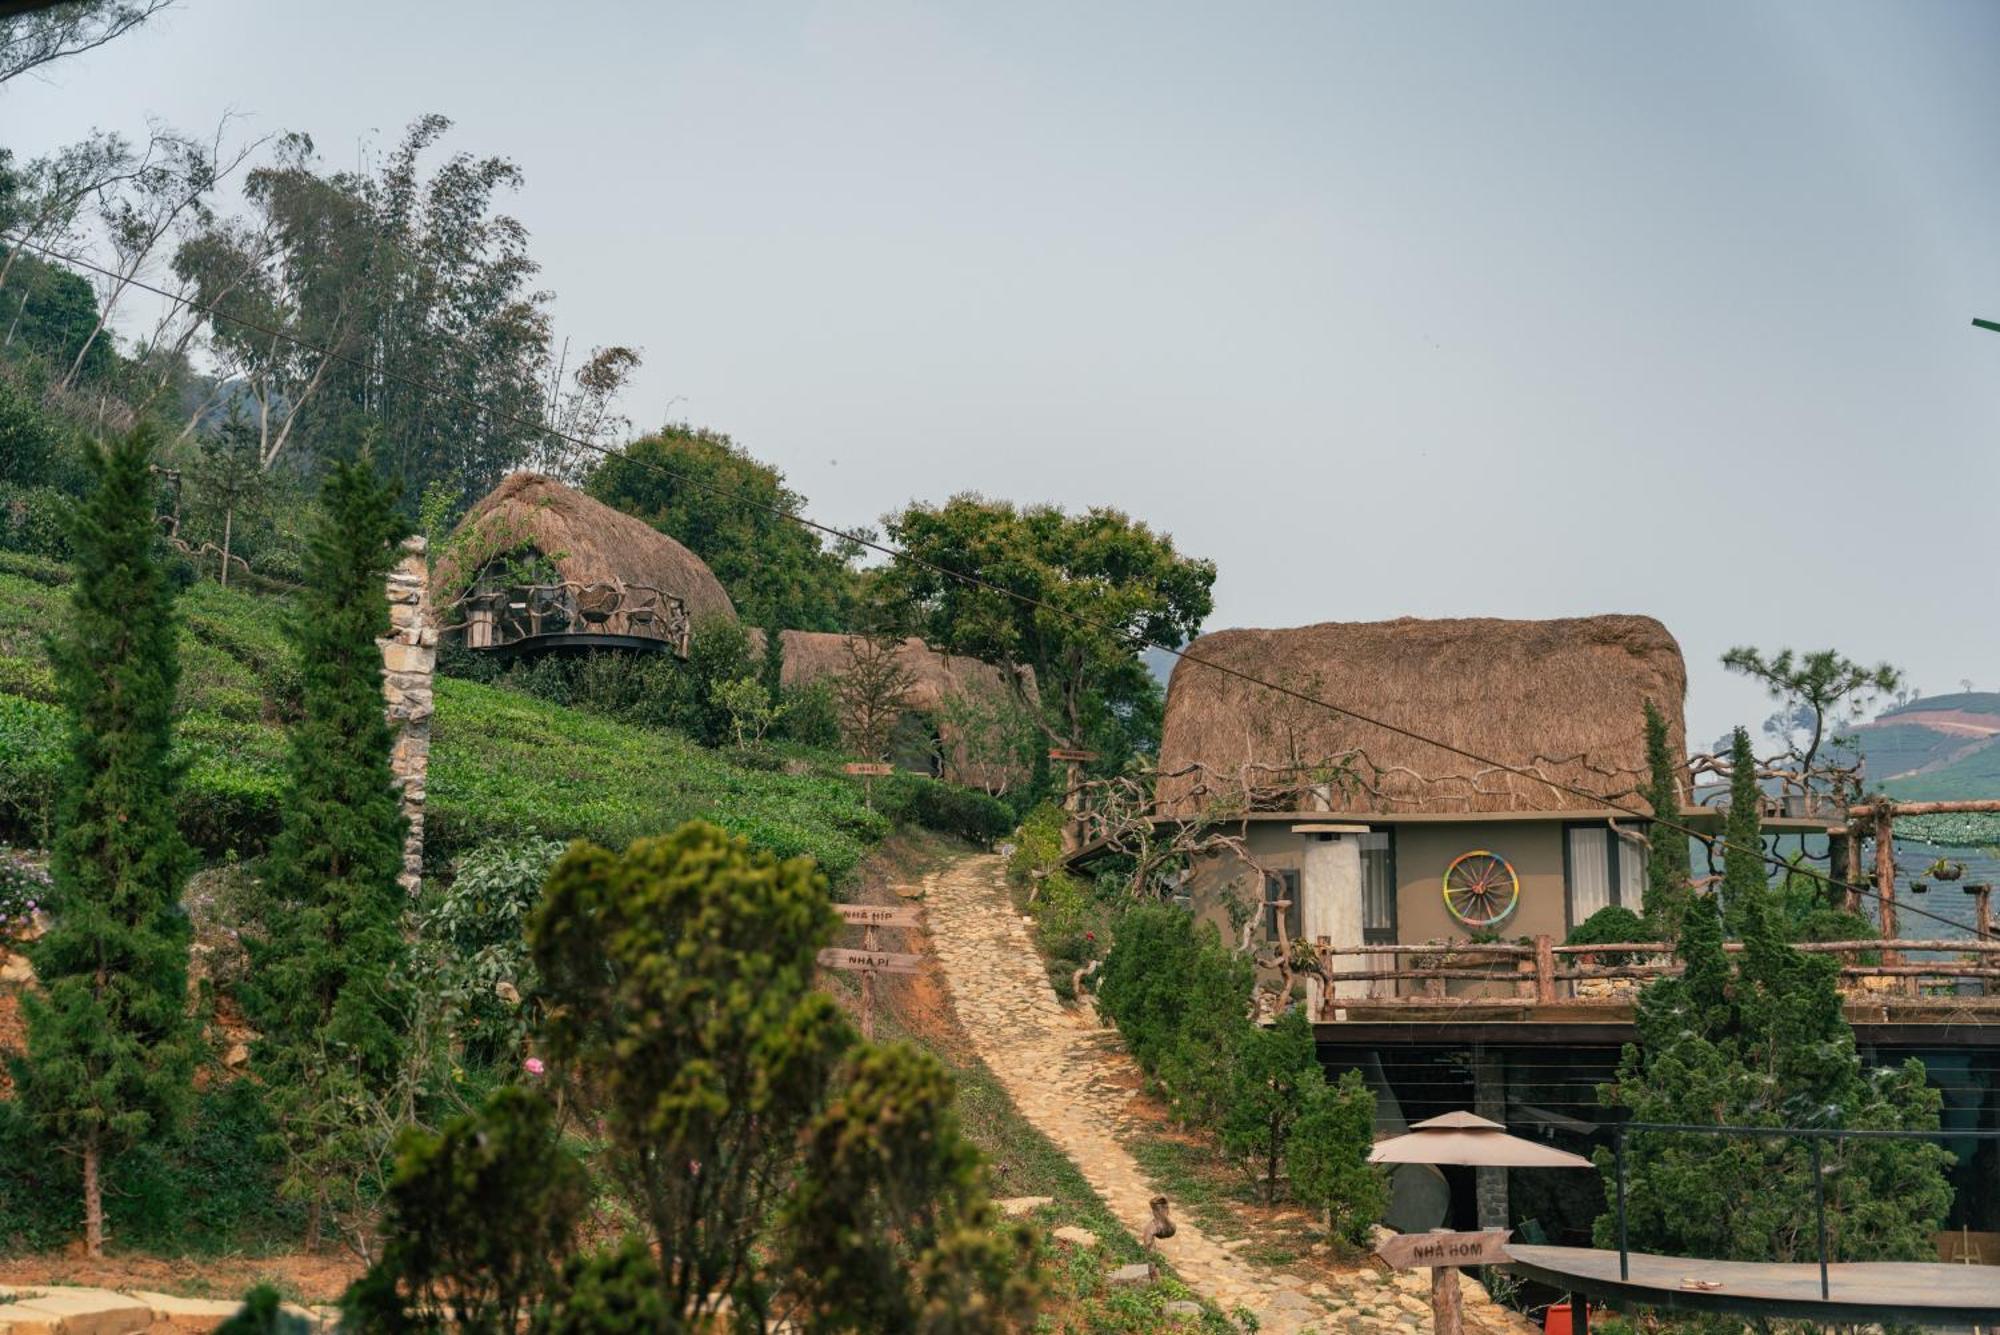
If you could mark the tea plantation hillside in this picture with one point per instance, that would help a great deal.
(503, 764)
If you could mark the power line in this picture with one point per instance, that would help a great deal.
(1137, 639)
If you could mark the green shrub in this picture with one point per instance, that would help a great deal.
(34, 521)
(1038, 842)
(1608, 926)
(812, 715)
(472, 948)
(945, 807)
(1199, 1070)
(1142, 984)
(1277, 1071)
(1326, 1158)
(28, 679)
(31, 752)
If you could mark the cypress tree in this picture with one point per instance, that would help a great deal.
(111, 1045)
(1667, 870)
(328, 989)
(1745, 878)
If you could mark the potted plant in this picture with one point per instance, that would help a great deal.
(1945, 870)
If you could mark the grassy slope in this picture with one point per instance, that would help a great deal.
(502, 764)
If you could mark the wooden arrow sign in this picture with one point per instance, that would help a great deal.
(868, 769)
(877, 915)
(1065, 753)
(873, 961)
(1406, 1251)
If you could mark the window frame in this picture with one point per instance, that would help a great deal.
(1382, 936)
(1615, 852)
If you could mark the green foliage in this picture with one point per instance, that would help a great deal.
(23, 888)
(683, 1015)
(746, 704)
(945, 807)
(700, 488)
(1038, 842)
(1326, 1158)
(263, 1313)
(328, 990)
(111, 1046)
(34, 521)
(209, 1192)
(28, 438)
(1610, 925)
(1765, 1043)
(477, 1220)
(1668, 874)
(1277, 1068)
(1141, 985)
(615, 1291)
(1101, 585)
(1816, 693)
(889, 1227)
(1746, 876)
(471, 949)
(812, 715)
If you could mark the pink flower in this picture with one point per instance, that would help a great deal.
(534, 1066)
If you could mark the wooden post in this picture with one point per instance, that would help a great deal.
(1850, 867)
(1545, 969)
(868, 987)
(1447, 1311)
(1982, 911)
(1885, 875)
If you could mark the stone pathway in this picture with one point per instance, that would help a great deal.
(1073, 1081)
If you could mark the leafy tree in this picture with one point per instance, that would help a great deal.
(1746, 877)
(28, 438)
(1326, 1158)
(328, 989)
(478, 1221)
(396, 281)
(889, 1227)
(1765, 1043)
(701, 489)
(1199, 1068)
(1098, 587)
(748, 706)
(1668, 873)
(1816, 693)
(228, 480)
(1276, 1074)
(682, 1013)
(46, 33)
(111, 1046)
(1139, 986)
(873, 692)
(771, 669)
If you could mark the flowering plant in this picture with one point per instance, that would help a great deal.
(23, 888)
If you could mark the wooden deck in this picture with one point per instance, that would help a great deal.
(1900, 1291)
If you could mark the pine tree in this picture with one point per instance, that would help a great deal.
(1276, 1073)
(327, 990)
(111, 1044)
(1327, 1158)
(1667, 870)
(1746, 877)
(1765, 1043)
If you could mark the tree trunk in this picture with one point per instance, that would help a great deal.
(313, 1213)
(228, 517)
(93, 1199)
(1271, 1167)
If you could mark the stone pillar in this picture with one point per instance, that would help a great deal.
(1489, 1100)
(409, 658)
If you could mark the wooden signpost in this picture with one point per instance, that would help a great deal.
(870, 960)
(869, 771)
(1071, 758)
(1444, 1252)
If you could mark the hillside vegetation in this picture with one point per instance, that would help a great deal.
(503, 764)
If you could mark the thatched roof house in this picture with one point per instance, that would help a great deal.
(940, 682)
(603, 572)
(1564, 699)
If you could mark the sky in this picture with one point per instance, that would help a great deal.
(1470, 309)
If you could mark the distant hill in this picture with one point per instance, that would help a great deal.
(1936, 747)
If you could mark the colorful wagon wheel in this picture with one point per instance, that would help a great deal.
(1480, 888)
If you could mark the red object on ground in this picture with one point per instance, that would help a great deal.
(1556, 1321)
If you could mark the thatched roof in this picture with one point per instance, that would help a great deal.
(1564, 699)
(589, 542)
(937, 677)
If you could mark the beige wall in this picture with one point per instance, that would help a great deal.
(1423, 851)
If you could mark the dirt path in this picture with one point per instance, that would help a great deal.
(1074, 1081)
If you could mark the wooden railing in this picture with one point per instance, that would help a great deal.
(1541, 973)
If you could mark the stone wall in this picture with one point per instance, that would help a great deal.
(409, 659)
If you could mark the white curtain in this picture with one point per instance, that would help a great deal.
(1589, 872)
(1632, 873)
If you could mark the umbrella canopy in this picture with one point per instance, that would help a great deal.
(1462, 1138)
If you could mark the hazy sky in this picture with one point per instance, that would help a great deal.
(1522, 310)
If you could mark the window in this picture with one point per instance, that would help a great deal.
(1602, 869)
(1378, 887)
(1283, 886)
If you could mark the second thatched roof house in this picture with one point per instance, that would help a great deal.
(537, 565)
(961, 718)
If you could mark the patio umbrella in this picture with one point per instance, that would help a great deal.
(1462, 1138)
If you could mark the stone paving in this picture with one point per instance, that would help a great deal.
(1073, 1081)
